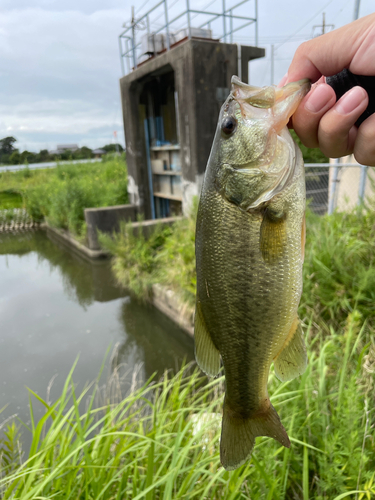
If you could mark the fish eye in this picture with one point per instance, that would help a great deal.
(228, 125)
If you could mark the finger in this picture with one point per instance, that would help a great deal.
(306, 119)
(346, 47)
(364, 148)
(337, 132)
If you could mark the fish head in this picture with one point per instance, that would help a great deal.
(252, 142)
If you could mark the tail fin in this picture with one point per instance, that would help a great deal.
(238, 435)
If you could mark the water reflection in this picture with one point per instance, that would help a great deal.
(83, 280)
(146, 329)
(54, 305)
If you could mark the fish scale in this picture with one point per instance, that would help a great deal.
(249, 263)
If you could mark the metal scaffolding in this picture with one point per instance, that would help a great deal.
(130, 46)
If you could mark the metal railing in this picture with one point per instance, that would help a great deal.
(342, 186)
(130, 48)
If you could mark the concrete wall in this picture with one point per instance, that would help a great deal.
(107, 220)
(348, 184)
(202, 72)
(147, 227)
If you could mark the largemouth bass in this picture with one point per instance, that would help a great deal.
(250, 240)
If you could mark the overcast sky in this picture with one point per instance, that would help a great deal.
(60, 64)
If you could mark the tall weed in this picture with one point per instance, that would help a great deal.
(167, 257)
(162, 440)
(60, 195)
(338, 273)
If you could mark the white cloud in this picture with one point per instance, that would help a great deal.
(60, 73)
(60, 67)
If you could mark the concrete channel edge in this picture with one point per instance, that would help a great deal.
(165, 300)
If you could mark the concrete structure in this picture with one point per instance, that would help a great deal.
(171, 105)
(106, 220)
(354, 183)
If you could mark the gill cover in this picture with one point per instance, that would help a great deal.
(256, 151)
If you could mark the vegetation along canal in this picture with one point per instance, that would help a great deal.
(56, 306)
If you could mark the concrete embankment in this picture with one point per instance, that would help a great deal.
(166, 300)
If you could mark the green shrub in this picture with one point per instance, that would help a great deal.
(339, 271)
(166, 257)
(135, 262)
(60, 195)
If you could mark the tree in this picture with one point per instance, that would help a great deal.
(27, 157)
(6, 148)
(112, 148)
(6, 145)
(83, 153)
(14, 158)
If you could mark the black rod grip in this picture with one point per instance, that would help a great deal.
(346, 80)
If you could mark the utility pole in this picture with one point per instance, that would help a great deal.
(356, 9)
(323, 26)
(133, 39)
(116, 143)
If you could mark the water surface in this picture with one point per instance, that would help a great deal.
(55, 306)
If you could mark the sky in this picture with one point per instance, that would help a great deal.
(60, 65)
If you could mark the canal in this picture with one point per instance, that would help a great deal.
(55, 306)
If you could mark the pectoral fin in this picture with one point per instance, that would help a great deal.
(272, 236)
(206, 354)
(292, 359)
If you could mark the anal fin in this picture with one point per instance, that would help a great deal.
(206, 354)
(291, 362)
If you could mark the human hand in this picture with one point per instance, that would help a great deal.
(322, 122)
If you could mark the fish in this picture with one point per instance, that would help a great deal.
(250, 240)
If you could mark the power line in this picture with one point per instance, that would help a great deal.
(195, 15)
(141, 7)
(273, 39)
(163, 13)
(308, 22)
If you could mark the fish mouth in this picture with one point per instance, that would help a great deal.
(267, 97)
(301, 86)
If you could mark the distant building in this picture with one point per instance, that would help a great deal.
(99, 152)
(61, 148)
(66, 147)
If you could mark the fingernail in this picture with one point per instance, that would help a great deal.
(351, 100)
(283, 80)
(318, 99)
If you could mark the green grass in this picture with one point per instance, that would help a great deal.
(139, 262)
(162, 440)
(60, 195)
(338, 273)
(9, 200)
(149, 445)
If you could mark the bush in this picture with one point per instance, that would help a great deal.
(60, 195)
(139, 262)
